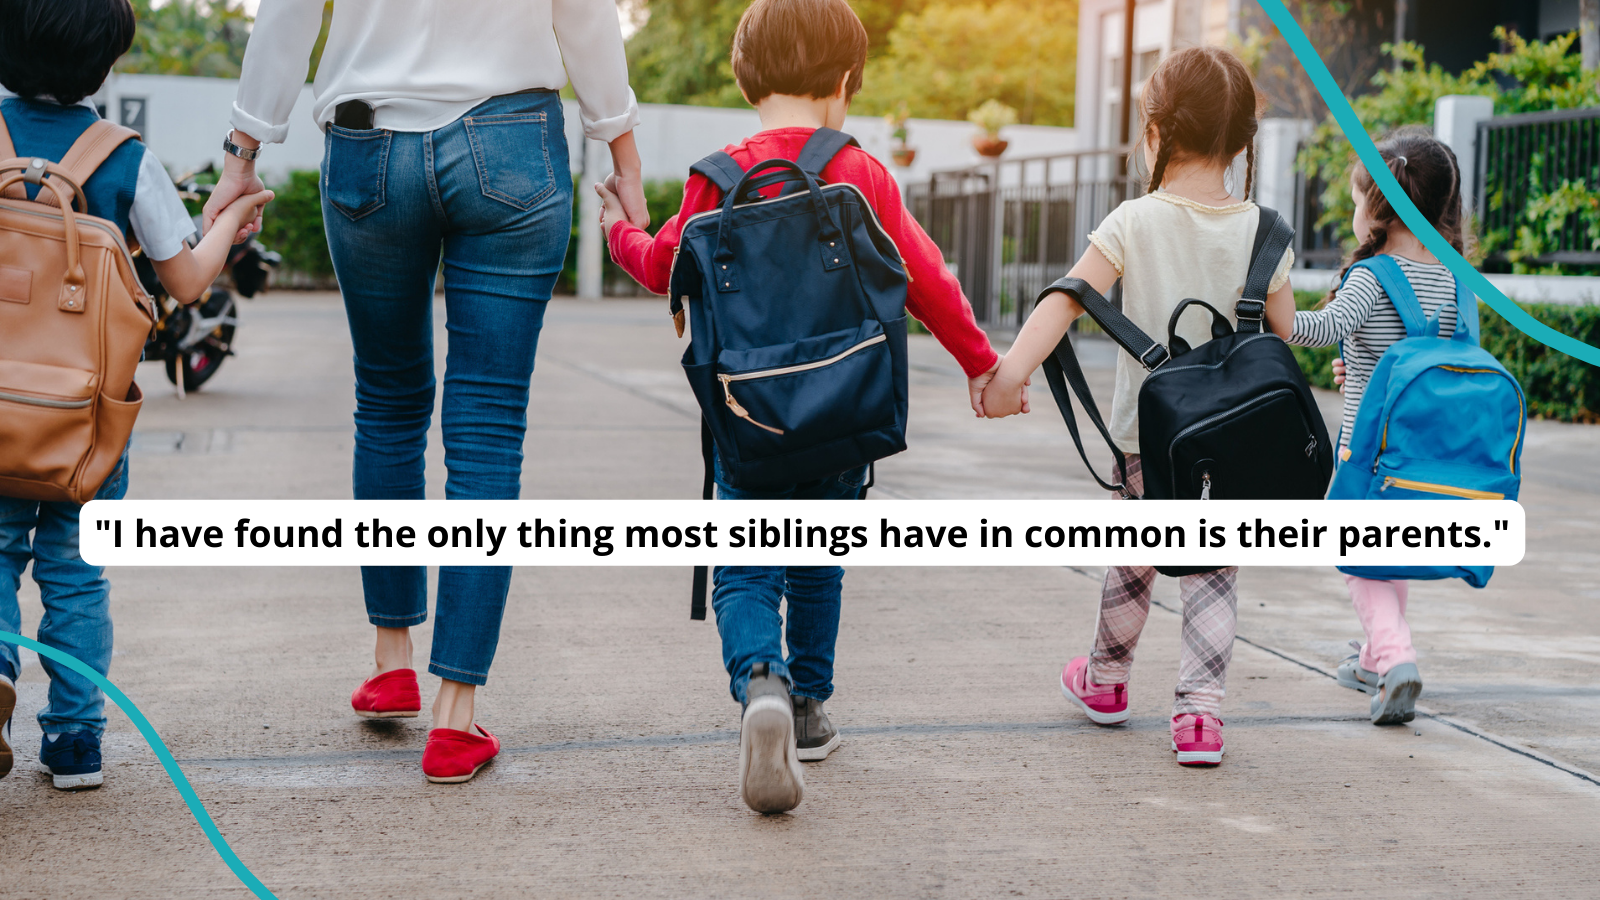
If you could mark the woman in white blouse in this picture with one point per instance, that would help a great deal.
(444, 136)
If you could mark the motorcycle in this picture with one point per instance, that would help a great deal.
(193, 340)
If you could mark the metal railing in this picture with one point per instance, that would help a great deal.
(1523, 156)
(1009, 228)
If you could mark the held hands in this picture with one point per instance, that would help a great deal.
(976, 385)
(237, 180)
(1005, 395)
(612, 209)
(242, 216)
(1338, 373)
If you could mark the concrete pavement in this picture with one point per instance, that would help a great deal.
(963, 772)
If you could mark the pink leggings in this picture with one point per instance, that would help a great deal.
(1381, 607)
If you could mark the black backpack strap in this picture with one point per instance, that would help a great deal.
(1273, 234)
(1117, 326)
(820, 149)
(708, 488)
(720, 169)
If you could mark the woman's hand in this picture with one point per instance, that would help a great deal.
(1338, 373)
(238, 179)
(627, 180)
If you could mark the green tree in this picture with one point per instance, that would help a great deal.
(188, 37)
(949, 58)
(681, 53)
(1538, 75)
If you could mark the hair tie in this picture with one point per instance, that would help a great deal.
(1402, 161)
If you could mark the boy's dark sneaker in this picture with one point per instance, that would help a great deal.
(1396, 699)
(8, 702)
(815, 736)
(73, 759)
(769, 767)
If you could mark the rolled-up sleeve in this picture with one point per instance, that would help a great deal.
(590, 38)
(275, 64)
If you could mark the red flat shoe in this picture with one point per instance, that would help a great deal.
(392, 695)
(452, 756)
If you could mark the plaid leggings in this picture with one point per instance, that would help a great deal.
(1210, 617)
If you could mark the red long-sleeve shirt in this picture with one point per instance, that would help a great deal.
(934, 296)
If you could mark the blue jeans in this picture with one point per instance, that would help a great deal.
(491, 192)
(77, 602)
(746, 599)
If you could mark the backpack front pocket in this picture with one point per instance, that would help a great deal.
(801, 395)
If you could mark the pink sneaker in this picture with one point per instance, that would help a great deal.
(1105, 704)
(1197, 739)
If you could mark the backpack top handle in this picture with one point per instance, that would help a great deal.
(829, 238)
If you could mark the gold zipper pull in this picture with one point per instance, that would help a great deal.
(740, 411)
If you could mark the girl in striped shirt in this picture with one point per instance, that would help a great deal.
(1360, 316)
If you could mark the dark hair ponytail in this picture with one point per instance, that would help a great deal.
(1429, 174)
(1201, 103)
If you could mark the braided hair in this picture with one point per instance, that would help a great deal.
(1429, 174)
(1185, 100)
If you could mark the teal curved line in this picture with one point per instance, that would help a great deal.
(1367, 151)
(159, 747)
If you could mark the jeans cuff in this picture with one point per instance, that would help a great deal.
(819, 696)
(398, 621)
(461, 675)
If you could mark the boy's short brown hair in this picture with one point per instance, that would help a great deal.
(798, 47)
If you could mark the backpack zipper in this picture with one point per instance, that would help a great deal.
(728, 379)
(1431, 488)
(1511, 463)
(52, 404)
(1253, 402)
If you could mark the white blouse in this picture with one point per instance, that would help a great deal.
(424, 63)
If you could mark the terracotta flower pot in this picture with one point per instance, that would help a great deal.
(989, 146)
(904, 156)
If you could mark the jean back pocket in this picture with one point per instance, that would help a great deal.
(511, 152)
(354, 169)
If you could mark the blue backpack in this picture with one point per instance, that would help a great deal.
(796, 306)
(1441, 419)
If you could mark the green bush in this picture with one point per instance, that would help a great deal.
(293, 227)
(1556, 385)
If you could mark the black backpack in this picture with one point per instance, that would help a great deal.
(1231, 419)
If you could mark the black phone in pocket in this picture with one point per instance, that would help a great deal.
(353, 114)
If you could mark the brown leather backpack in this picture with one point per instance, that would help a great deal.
(73, 323)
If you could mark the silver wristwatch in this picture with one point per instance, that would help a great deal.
(228, 146)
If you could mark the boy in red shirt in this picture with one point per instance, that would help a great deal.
(798, 62)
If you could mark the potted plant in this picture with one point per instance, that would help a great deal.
(904, 155)
(990, 117)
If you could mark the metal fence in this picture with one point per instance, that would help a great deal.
(1011, 227)
(1523, 156)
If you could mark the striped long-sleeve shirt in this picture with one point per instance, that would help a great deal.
(1363, 317)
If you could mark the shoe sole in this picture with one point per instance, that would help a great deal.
(1396, 704)
(8, 702)
(1198, 757)
(84, 782)
(1099, 718)
(456, 779)
(391, 714)
(769, 766)
(818, 754)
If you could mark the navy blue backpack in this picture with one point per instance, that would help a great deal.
(796, 305)
(1441, 419)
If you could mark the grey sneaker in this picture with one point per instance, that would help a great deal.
(8, 702)
(769, 766)
(815, 736)
(1396, 699)
(1352, 676)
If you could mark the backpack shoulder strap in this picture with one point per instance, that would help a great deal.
(7, 149)
(820, 149)
(1273, 234)
(1394, 283)
(1466, 315)
(91, 149)
(720, 169)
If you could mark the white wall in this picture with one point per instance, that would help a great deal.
(185, 119)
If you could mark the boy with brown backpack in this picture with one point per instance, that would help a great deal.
(73, 320)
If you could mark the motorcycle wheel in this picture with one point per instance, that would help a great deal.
(202, 360)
